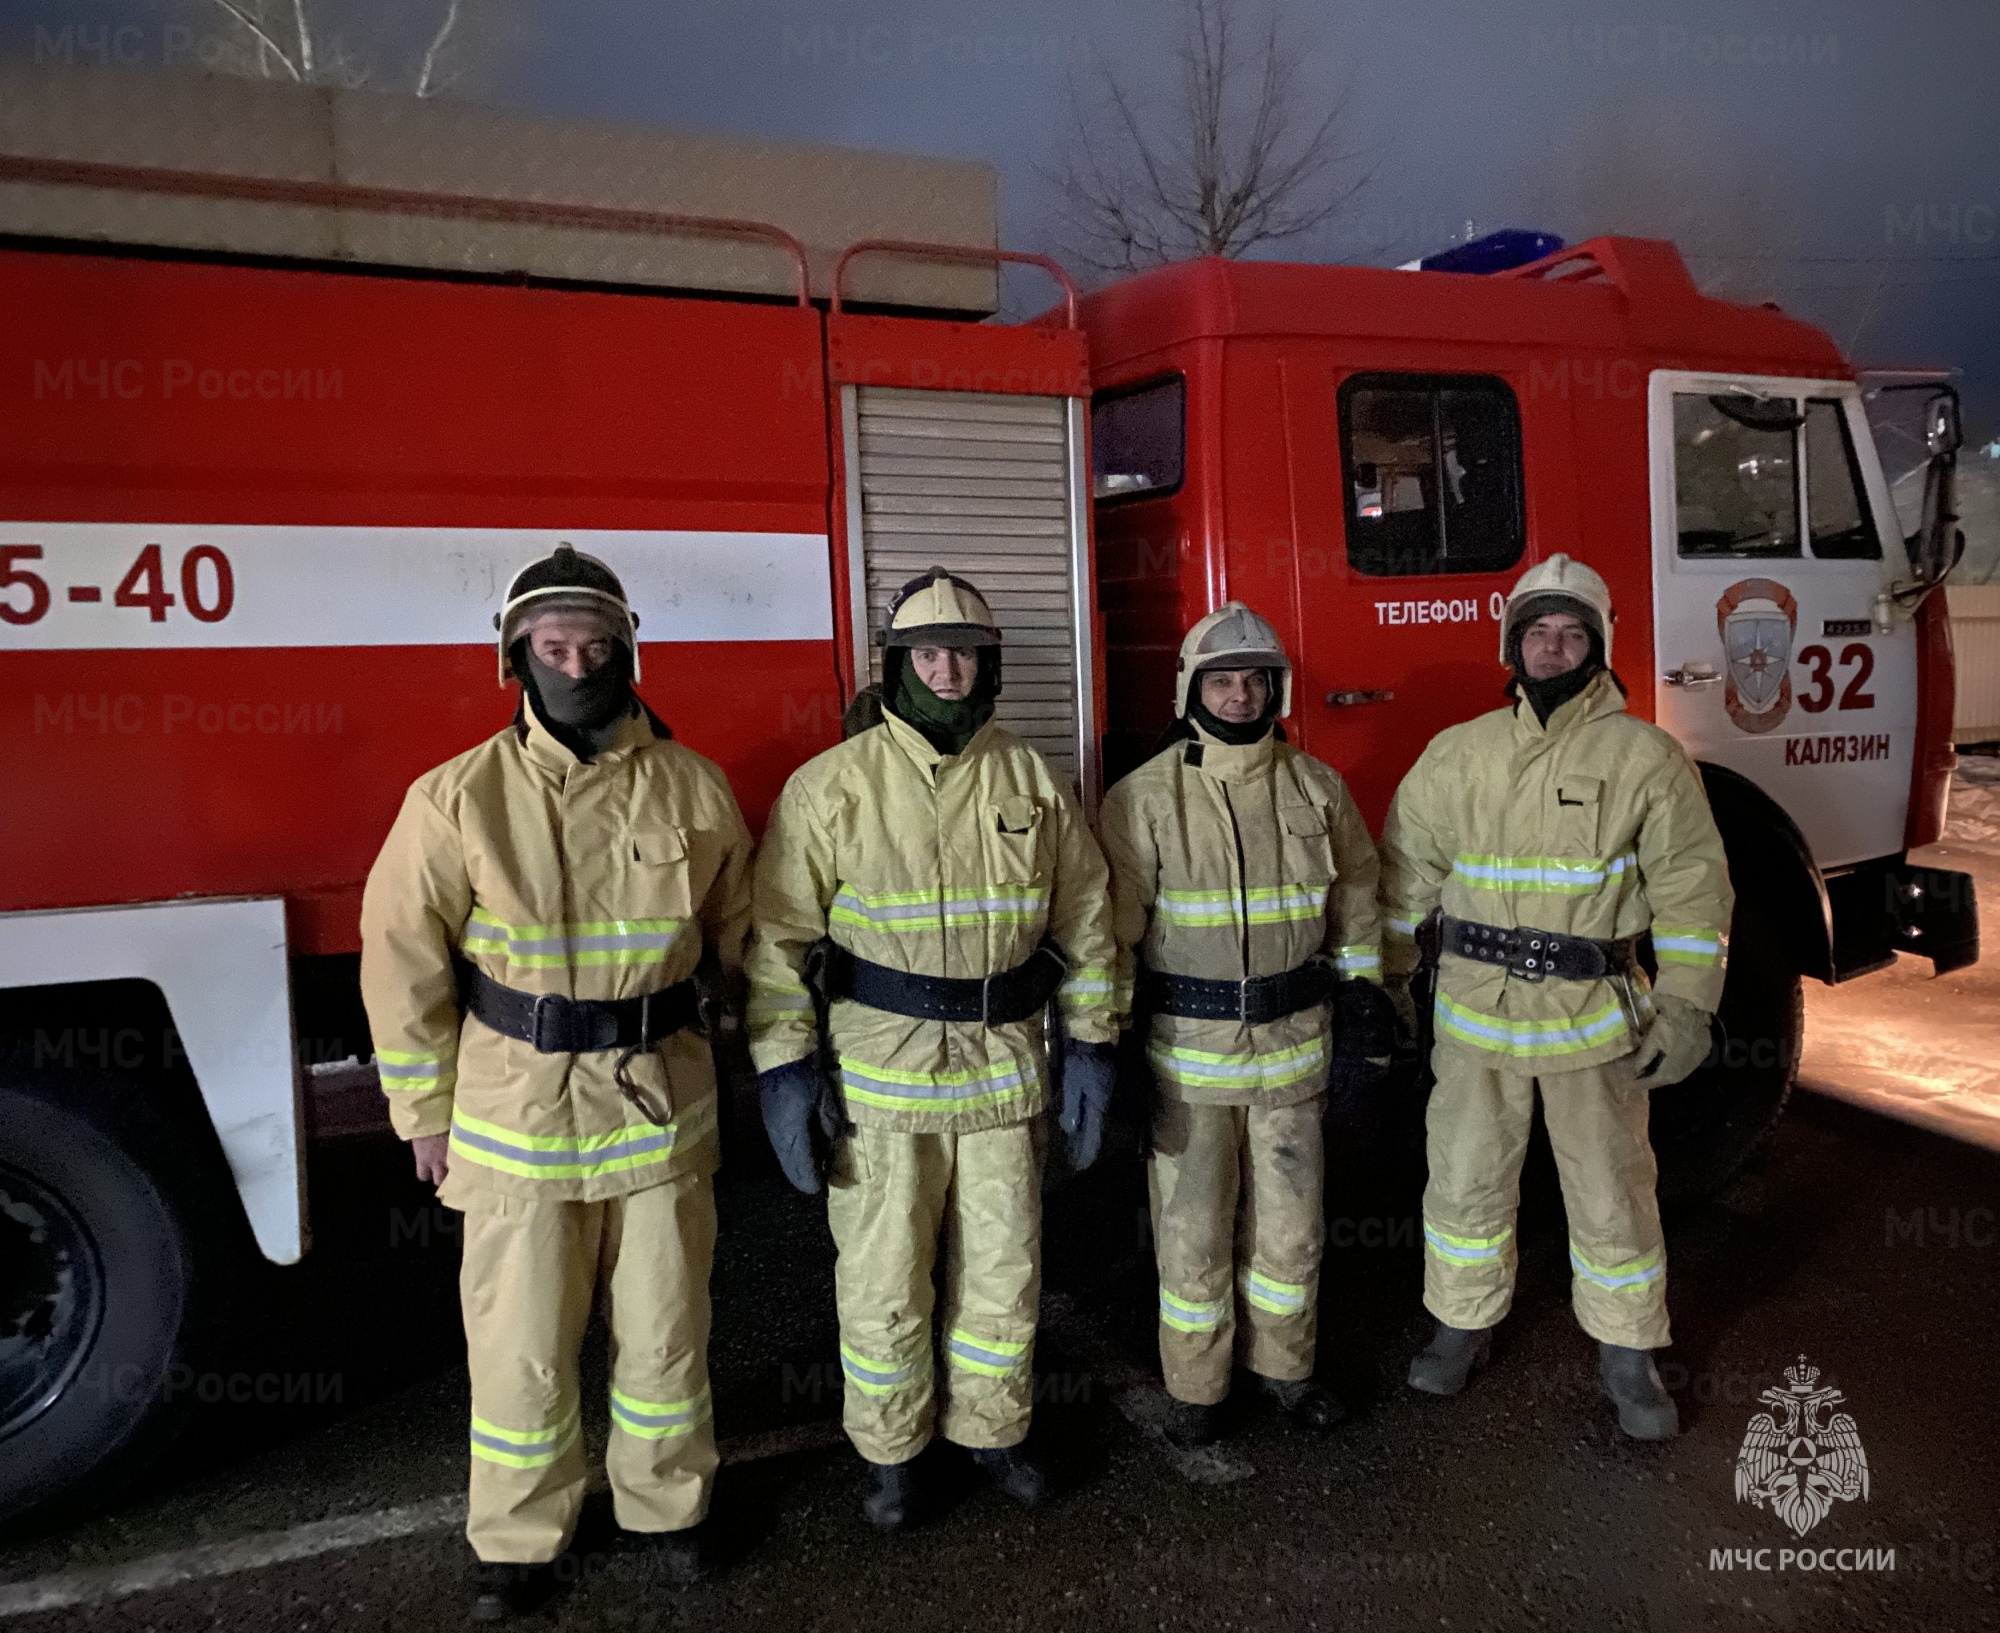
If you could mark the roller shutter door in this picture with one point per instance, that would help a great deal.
(980, 484)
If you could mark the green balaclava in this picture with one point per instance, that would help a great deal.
(947, 724)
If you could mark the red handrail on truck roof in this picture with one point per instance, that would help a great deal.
(19, 167)
(969, 254)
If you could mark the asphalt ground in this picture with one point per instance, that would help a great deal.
(1864, 1244)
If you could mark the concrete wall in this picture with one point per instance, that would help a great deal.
(826, 197)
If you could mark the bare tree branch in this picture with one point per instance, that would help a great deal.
(305, 39)
(1235, 161)
(427, 83)
(264, 41)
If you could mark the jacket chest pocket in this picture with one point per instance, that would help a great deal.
(1578, 816)
(1014, 839)
(1308, 847)
(657, 872)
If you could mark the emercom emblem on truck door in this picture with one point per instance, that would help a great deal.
(1757, 618)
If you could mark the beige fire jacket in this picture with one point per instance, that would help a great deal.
(1595, 826)
(1247, 861)
(603, 881)
(951, 865)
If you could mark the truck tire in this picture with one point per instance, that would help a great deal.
(1705, 1128)
(101, 1290)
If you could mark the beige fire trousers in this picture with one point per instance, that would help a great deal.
(889, 1197)
(531, 1271)
(1478, 1134)
(1239, 1226)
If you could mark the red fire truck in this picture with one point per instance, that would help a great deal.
(257, 510)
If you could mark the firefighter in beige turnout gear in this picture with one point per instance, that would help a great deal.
(1552, 835)
(564, 880)
(1244, 883)
(941, 886)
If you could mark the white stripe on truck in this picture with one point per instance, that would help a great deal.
(71, 586)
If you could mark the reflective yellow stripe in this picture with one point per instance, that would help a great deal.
(990, 1357)
(1209, 909)
(1189, 1315)
(1086, 987)
(1688, 944)
(559, 1156)
(587, 942)
(403, 1071)
(893, 1090)
(877, 1377)
(521, 1448)
(1531, 1039)
(770, 999)
(1272, 1069)
(1541, 875)
(898, 912)
(1363, 958)
(658, 1420)
(1632, 1275)
(1463, 1250)
(1275, 1297)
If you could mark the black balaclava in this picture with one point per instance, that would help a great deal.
(947, 724)
(1547, 696)
(1227, 731)
(582, 714)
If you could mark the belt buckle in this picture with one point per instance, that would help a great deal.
(546, 1016)
(1243, 1002)
(1527, 965)
(986, 1000)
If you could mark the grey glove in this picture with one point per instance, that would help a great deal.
(1678, 1042)
(1086, 1097)
(790, 1097)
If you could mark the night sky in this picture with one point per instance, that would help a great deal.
(1842, 158)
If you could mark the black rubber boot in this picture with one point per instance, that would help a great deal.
(891, 1502)
(1305, 1402)
(1013, 1472)
(502, 1592)
(1454, 1354)
(1645, 1410)
(680, 1558)
(1189, 1426)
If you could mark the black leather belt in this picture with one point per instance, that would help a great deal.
(1536, 955)
(1254, 1002)
(993, 1000)
(556, 1025)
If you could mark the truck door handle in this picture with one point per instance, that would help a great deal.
(1693, 676)
(1347, 700)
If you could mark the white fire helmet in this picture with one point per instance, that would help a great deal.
(1232, 637)
(940, 609)
(566, 581)
(1557, 585)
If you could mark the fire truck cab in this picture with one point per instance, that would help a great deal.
(1371, 457)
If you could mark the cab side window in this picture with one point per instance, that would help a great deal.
(1431, 467)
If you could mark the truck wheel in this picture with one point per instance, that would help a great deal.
(98, 1287)
(1705, 1128)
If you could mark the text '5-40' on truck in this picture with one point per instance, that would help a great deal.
(286, 398)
